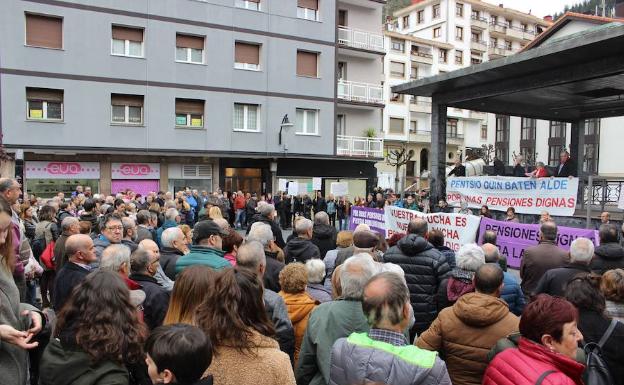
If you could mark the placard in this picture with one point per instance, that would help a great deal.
(293, 188)
(339, 189)
(374, 218)
(282, 184)
(317, 183)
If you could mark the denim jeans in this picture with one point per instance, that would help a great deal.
(240, 217)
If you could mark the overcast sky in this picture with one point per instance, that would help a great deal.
(539, 8)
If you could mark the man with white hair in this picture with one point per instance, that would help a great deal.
(172, 218)
(333, 320)
(267, 214)
(323, 234)
(316, 277)
(262, 233)
(173, 247)
(129, 233)
(469, 259)
(159, 275)
(69, 226)
(301, 248)
(555, 280)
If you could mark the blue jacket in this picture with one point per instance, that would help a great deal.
(200, 255)
(512, 294)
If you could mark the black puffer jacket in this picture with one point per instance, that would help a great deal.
(324, 237)
(425, 268)
(300, 250)
(606, 257)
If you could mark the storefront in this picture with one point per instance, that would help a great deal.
(141, 178)
(197, 176)
(47, 178)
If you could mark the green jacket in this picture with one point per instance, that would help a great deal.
(61, 366)
(201, 255)
(328, 322)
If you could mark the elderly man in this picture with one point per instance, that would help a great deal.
(144, 230)
(364, 241)
(566, 167)
(116, 258)
(207, 248)
(262, 233)
(301, 248)
(554, 281)
(323, 235)
(465, 332)
(251, 256)
(69, 227)
(172, 217)
(333, 320)
(605, 219)
(81, 252)
(512, 292)
(159, 275)
(364, 357)
(267, 214)
(111, 232)
(129, 233)
(609, 255)
(173, 247)
(143, 266)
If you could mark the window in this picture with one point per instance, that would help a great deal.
(413, 125)
(396, 126)
(592, 127)
(307, 63)
(459, 10)
(342, 17)
(246, 117)
(475, 15)
(502, 138)
(44, 104)
(127, 41)
(493, 19)
(508, 45)
(493, 42)
(459, 33)
(253, 5)
(591, 148)
(246, 56)
(406, 21)
(410, 168)
(127, 109)
(394, 97)
(397, 69)
(459, 57)
(437, 32)
(307, 9)
(189, 49)
(44, 31)
(341, 127)
(420, 16)
(398, 45)
(527, 138)
(189, 113)
(451, 128)
(307, 122)
(342, 70)
(442, 55)
(414, 71)
(436, 11)
(524, 27)
(508, 23)
(556, 141)
(484, 132)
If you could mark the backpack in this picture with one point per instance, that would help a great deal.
(597, 371)
(47, 257)
(39, 244)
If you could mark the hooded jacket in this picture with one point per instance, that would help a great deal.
(453, 287)
(200, 255)
(425, 268)
(300, 250)
(512, 294)
(324, 237)
(299, 307)
(607, 256)
(464, 334)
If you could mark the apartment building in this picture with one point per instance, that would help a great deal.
(160, 95)
(431, 37)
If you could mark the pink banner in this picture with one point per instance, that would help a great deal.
(135, 171)
(62, 170)
(142, 187)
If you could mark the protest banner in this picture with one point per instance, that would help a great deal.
(458, 229)
(316, 183)
(282, 184)
(339, 189)
(526, 195)
(372, 217)
(513, 238)
(293, 188)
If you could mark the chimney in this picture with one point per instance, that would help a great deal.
(548, 18)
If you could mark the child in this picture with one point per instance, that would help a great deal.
(178, 354)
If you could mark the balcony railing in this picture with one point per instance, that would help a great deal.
(497, 27)
(478, 45)
(359, 146)
(360, 92)
(454, 135)
(479, 22)
(360, 39)
(424, 57)
(498, 51)
(602, 192)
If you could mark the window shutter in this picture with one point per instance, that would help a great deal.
(46, 94)
(127, 100)
(188, 41)
(310, 4)
(396, 67)
(396, 125)
(44, 31)
(307, 63)
(127, 33)
(189, 106)
(247, 53)
(197, 171)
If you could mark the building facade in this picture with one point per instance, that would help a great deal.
(152, 96)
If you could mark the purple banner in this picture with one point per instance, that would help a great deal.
(372, 217)
(514, 238)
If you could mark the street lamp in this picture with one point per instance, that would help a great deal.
(285, 124)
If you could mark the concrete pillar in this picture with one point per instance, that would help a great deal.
(577, 144)
(437, 179)
(164, 176)
(105, 177)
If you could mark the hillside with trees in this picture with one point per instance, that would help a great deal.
(394, 5)
(588, 7)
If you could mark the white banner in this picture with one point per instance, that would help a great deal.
(282, 184)
(525, 195)
(317, 183)
(293, 188)
(458, 229)
(339, 189)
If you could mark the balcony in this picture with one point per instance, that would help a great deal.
(478, 45)
(359, 146)
(477, 115)
(496, 52)
(519, 33)
(354, 38)
(420, 56)
(360, 92)
(478, 22)
(420, 104)
(497, 28)
(454, 137)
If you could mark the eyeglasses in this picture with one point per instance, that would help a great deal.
(114, 228)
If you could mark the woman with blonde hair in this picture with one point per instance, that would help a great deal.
(191, 286)
(188, 234)
(214, 212)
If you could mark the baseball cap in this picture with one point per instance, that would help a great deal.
(206, 228)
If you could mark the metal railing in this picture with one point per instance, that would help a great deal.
(359, 146)
(360, 92)
(600, 192)
(454, 135)
(360, 39)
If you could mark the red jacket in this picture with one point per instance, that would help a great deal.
(524, 366)
(239, 202)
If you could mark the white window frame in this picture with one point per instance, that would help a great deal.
(247, 66)
(188, 121)
(245, 116)
(127, 116)
(304, 125)
(127, 49)
(44, 107)
(308, 14)
(189, 56)
(249, 5)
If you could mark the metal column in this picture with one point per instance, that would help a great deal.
(438, 154)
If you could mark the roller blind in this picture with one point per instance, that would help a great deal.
(188, 41)
(396, 67)
(46, 94)
(44, 31)
(310, 4)
(127, 100)
(189, 106)
(127, 33)
(247, 53)
(307, 63)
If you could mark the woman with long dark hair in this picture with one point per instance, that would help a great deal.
(234, 317)
(98, 337)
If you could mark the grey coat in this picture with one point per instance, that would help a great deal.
(278, 313)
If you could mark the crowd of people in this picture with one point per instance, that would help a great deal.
(169, 289)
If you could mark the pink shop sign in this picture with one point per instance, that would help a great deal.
(62, 170)
(135, 171)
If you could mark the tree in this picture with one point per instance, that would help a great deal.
(393, 6)
(487, 153)
(398, 158)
